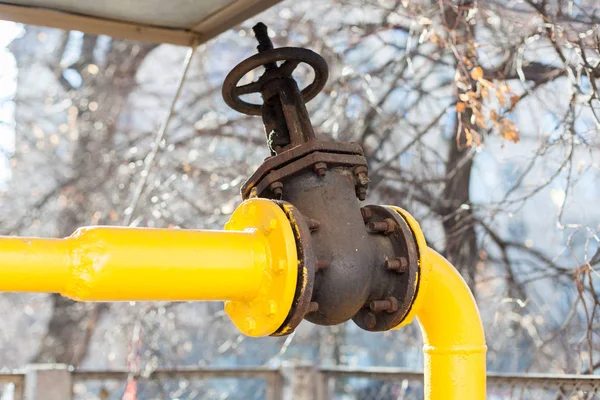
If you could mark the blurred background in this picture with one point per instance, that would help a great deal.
(481, 118)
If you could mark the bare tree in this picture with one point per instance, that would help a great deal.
(479, 117)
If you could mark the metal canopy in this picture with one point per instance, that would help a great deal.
(181, 22)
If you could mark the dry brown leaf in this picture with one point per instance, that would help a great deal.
(477, 73)
(501, 98)
(461, 107)
(504, 88)
(471, 136)
(468, 137)
(494, 116)
(509, 131)
(514, 99)
(486, 83)
(479, 119)
(485, 93)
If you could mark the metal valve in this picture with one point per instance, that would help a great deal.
(354, 263)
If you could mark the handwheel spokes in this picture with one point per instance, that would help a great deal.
(253, 87)
(289, 66)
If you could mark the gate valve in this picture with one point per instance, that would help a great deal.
(354, 263)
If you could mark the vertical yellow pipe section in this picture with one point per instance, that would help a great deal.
(453, 337)
(125, 264)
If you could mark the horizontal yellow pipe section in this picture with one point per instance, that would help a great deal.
(453, 336)
(113, 264)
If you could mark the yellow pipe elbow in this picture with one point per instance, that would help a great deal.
(453, 337)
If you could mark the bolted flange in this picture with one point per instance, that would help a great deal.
(307, 266)
(392, 293)
(266, 312)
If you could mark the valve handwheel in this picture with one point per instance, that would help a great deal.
(291, 57)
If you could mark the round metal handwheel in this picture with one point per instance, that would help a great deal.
(292, 56)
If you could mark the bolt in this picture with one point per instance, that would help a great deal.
(366, 214)
(320, 168)
(363, 179)
(313, 307)
(280, 266)
(361, 193)
(370, 320)
(386, 226)
(271, 227)
(322, 264)
(390, 305)
(398, 264)
(361, 173)
(313, 224)
(250, 324)
(272, 308)
(277, 189)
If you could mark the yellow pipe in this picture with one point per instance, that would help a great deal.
(453, 338)
(128, 264)
(252, 265)
(33, 265)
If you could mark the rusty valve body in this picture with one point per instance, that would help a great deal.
(355, 263)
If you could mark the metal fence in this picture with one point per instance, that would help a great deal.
(302, 382)
(393, 383)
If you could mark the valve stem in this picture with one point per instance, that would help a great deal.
(261, 32)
